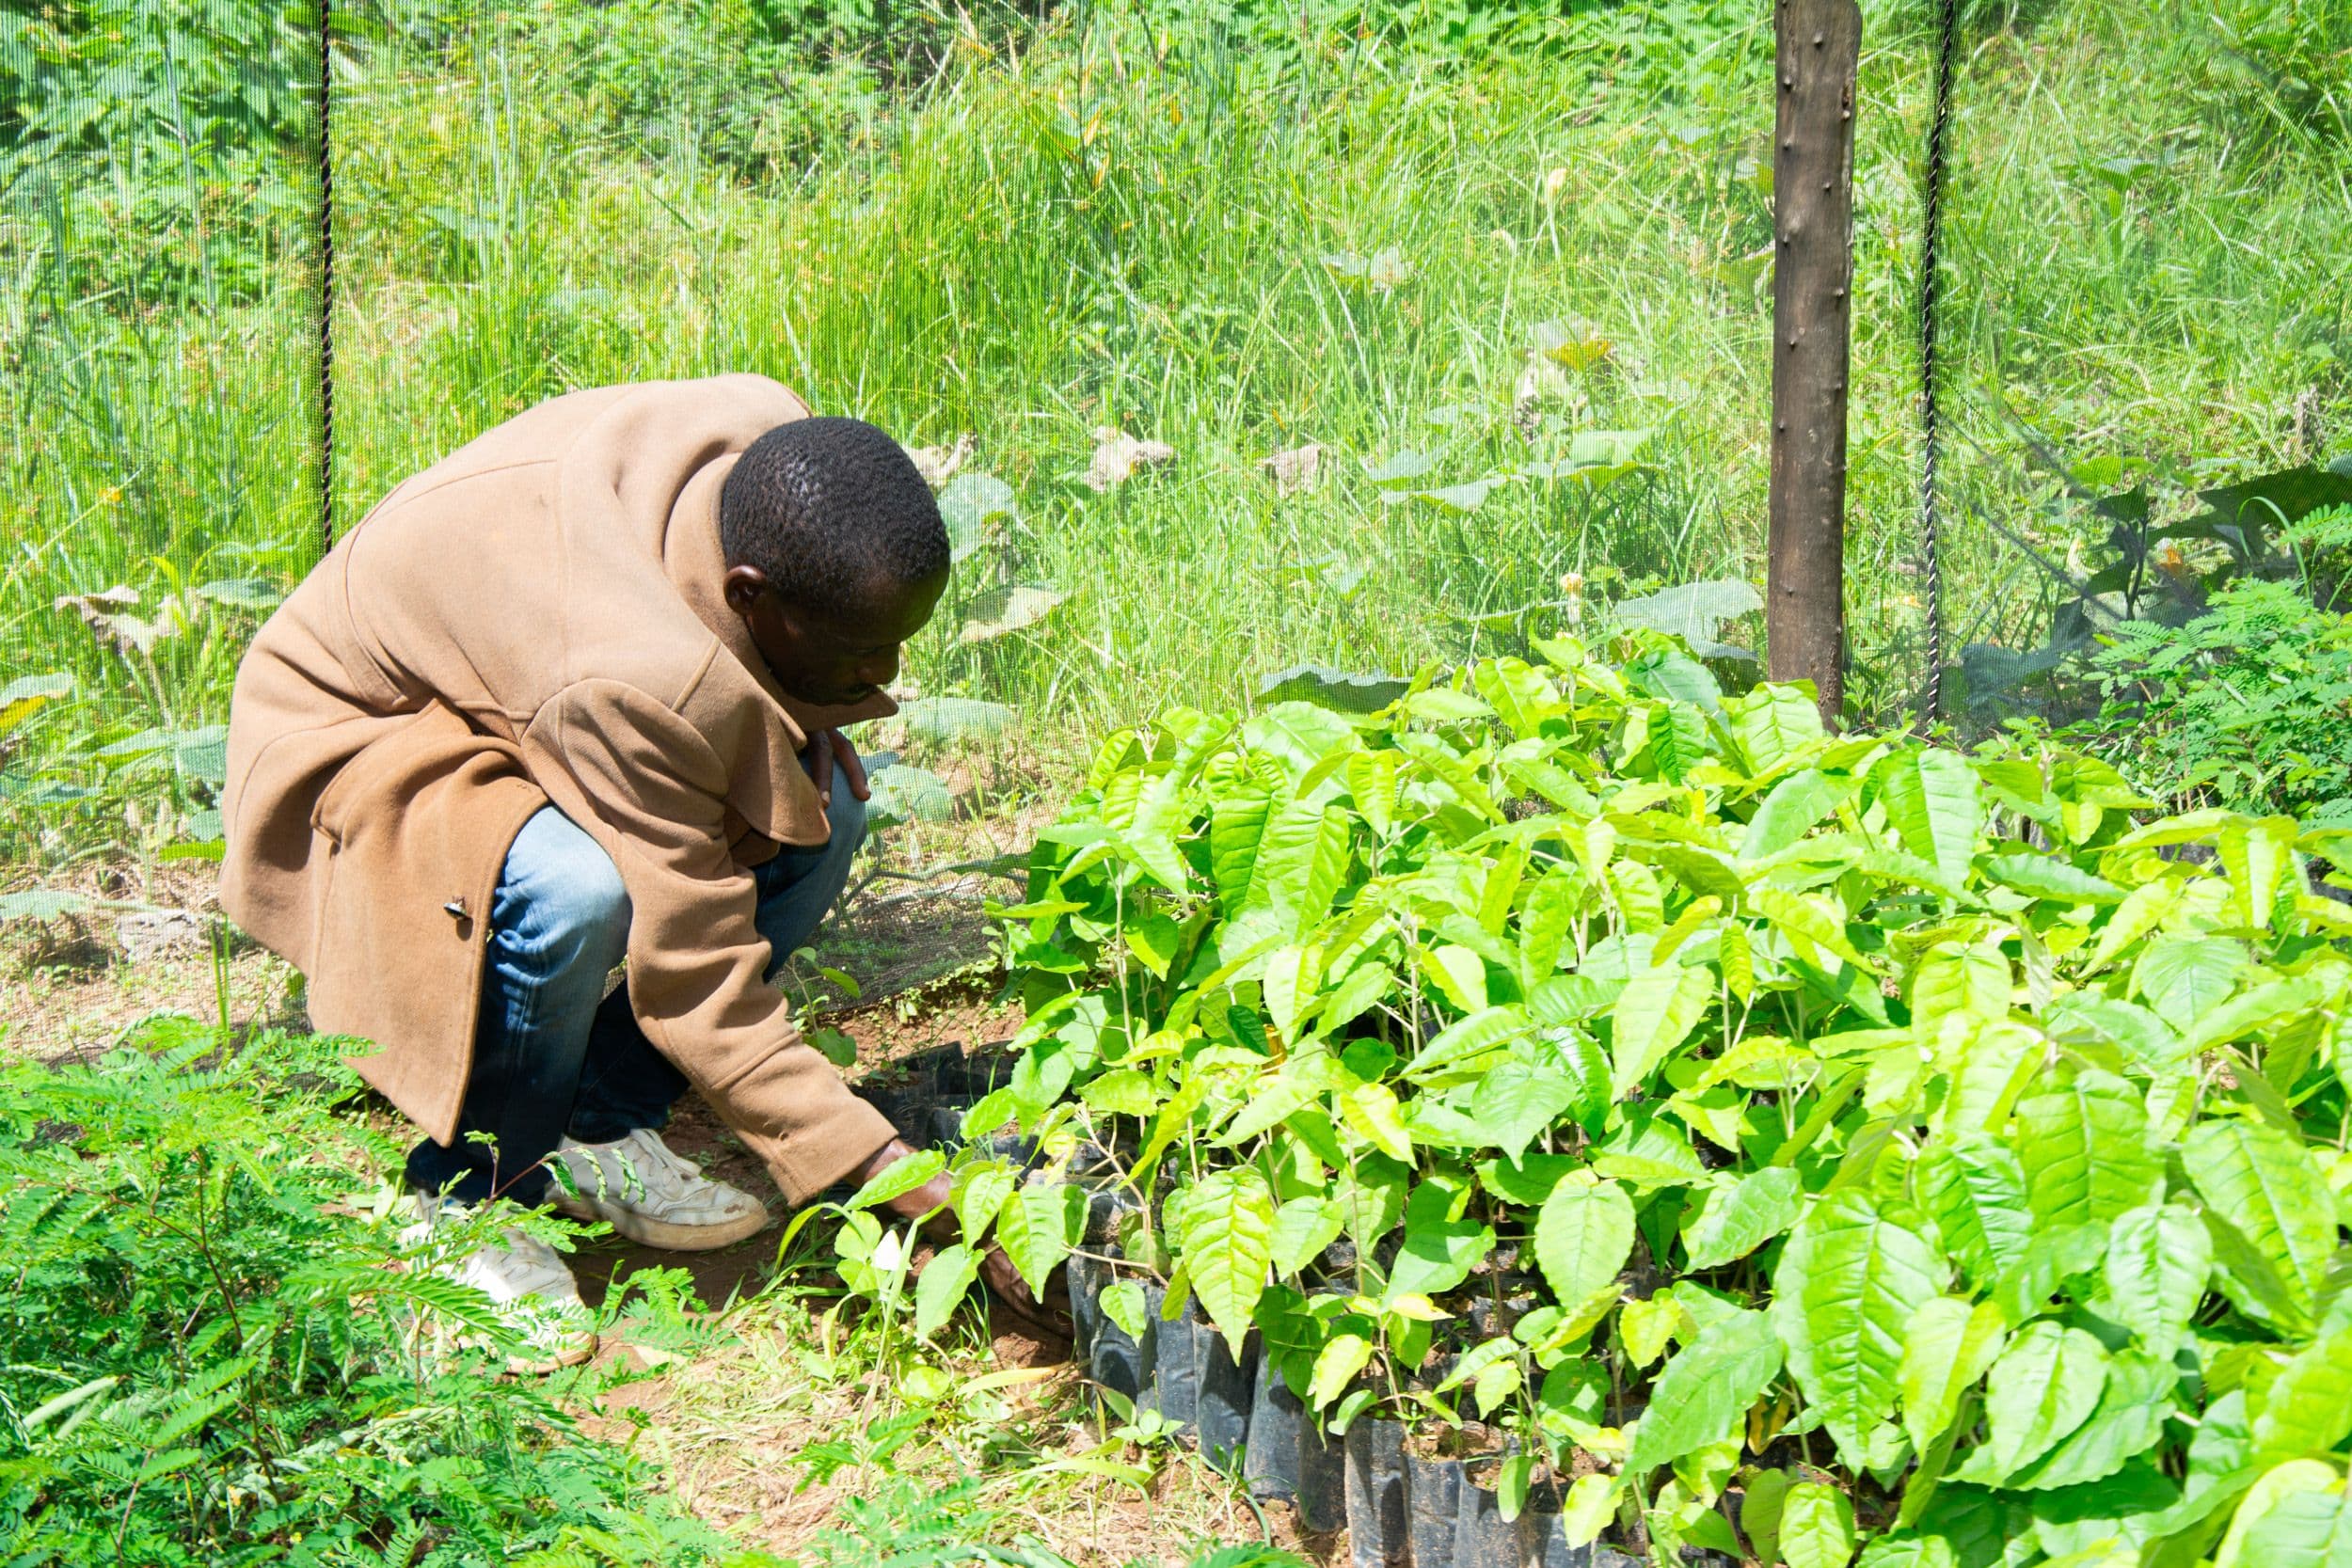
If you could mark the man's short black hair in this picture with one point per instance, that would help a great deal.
(832, 511)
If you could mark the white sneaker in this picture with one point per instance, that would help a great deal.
(530, 1286)
(650, 1195)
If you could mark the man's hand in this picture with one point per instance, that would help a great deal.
(825, 749)
(934, 1198)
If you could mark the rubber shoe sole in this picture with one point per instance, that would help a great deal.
(662, 1234)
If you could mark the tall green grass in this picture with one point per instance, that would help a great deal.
(1120, 217)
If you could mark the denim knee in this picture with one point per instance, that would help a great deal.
(563, 895)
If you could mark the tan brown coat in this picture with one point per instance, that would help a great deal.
(538, 618)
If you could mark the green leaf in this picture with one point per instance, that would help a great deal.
(1369, 1111)
(1583, 1236)
(2084, 1150)
(980, 1196)
(2307, 1408)
(1974, 1189)
(1654, 1015)
(1228, 1247)
(2042, 873)
(1736, 1216)
(950, 719)
(1796, 804)
(944, 1281)
(1816, 1527)
(2271, 1193)
(1514, 1101)
(1931, 800)
(898, 1179)
(1038, 1227)
(2129, 1421)
(2306, 1530)
(1483, 1031)
(2185, 979)
(1702, 1393)
(1303, 1227)
(2044, 1385)
(1125, 1304)
(1439, 1252)
(1336, 1366)
(1947, 1347)
(1007, 608)
(2159, 1257)
(1848, 1282)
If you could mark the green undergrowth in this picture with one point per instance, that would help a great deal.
(220, 1353)
(211, 1360)
(1741, 1136)
(1453, 247)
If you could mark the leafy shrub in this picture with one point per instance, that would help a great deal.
(180, 121)
(207, 1363)
(1904, 1145)
(2249, 704)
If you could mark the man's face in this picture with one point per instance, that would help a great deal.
(832, 658)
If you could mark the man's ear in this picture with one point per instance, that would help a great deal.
(743, 586)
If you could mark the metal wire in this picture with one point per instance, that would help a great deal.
(1930, 528)
(327, 278)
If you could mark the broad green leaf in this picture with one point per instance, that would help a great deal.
(2045, 875)
(2307, 1407)
(1702, 1392)
(2262, 1181)
(1037, 1227)
(2126, 1511)
(1237, 819)
(1645, 1325)
(1125, 1304)
(1583, 1236)
(1463, 1039)
(1772, 724)
(1904, 1548)
(1947, 1346)
(1514, 1101)
(1975, 1191)
(1795, 806)
(2258, 857)
(1369, 1111)
(1303, 1227)
(2044, 1385)
(2270, 1491)
(1652, 1018)
(1228, 1247)
(2128, 1421)
(2185, 979)
(2159, 1257)
(1736, 1216)
(2085, 1152)
(1848, 1282)
(1973, 980)
(2306, 1530)
(944, 1281)
(980, 1195)
(1931, 800)
(1336, 1366)
(1816, 1527)
(898, 1179)
(1439, 1252)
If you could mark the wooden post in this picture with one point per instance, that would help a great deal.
(1817, 45)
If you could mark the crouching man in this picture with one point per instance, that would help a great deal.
(574, 695)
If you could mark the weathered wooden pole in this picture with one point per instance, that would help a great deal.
(1818, 46)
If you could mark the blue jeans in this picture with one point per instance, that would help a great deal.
(553, 1055)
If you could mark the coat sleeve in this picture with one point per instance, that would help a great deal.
(696, 961)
